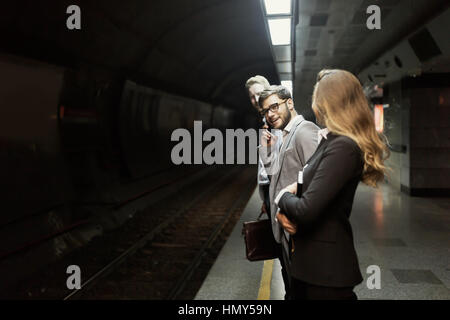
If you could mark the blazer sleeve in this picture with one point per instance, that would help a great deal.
(269, 157)
(340, 162)
(266, 154)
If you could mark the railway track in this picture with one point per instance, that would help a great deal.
(163, 252)
(162, 262)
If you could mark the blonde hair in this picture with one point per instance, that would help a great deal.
(340, 104)
(259, 80)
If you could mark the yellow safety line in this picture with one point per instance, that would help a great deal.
(264, 287)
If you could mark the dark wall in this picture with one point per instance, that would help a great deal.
(33, 172)
(396, 129)
(429, 134)
(417, 125)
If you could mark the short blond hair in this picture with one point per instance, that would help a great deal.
(259, 80)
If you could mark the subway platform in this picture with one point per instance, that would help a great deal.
(408, 238)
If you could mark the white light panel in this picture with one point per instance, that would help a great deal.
(287, 84)
(280, 31)
(277, 6)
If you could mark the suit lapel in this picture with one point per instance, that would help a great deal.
(286, 144)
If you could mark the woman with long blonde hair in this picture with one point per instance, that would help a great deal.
(324, 264)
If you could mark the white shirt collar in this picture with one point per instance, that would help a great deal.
(322, 133)
(290, 124)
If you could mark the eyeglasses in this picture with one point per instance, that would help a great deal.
(273, 107)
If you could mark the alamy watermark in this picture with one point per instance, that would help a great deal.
(73, 22)
(234, 148)
(374, 20)
(213, 153)
(74, 280)
(374, 280)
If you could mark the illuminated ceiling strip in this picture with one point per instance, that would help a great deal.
(280, 31)
(278, 14)
(274, 7)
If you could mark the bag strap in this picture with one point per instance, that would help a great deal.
(259, 217)
(243, 226)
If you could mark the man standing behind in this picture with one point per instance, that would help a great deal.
(255, 85)
(299, 141)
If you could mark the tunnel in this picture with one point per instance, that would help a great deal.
(130, 149)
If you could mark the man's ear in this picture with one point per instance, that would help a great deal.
(290, 103)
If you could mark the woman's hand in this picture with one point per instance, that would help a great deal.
(292, 188)
(287, 225)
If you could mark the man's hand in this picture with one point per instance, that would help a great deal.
(287, 225)
(268, 139)
(263, 208)
(292, 188)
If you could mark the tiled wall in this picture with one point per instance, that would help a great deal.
(397, 132)
(418, 120)
(430, 138)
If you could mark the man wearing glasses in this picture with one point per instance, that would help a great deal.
(299, 141)
(255, 85)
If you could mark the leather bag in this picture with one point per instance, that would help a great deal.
(259, 241)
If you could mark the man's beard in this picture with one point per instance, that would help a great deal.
(286, 121)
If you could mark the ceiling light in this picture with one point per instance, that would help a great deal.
(277, 6)
(280, 31)
(287, 84)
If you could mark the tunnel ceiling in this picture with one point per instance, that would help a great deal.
(202, 49)
(333, 34)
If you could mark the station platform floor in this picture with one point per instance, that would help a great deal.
(408, 238)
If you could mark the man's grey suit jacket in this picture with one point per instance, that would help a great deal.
(283, 167)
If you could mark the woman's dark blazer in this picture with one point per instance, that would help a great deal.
(324, 253)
